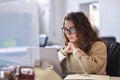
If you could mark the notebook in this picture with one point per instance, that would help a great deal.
(86, 77)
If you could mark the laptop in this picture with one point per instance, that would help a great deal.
(46, 54)
(51, 56)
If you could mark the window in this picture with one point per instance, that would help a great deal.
(18, 31)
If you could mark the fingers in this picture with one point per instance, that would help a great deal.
(67, 49)
(70, 47)
(73, 45)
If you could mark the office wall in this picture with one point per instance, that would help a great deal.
(110, 18)
(75, 5)
(57, 12)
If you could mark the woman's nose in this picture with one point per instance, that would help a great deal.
(68, 33)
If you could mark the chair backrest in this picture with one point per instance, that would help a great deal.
(113, 58)
(109, 38)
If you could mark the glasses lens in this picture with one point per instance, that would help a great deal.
(64, 29)
(72, 30)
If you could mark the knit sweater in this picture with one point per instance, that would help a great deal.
(92, 63)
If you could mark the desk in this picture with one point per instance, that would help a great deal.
(114, 78)
(89, 76)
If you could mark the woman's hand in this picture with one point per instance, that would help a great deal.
(70, 47)
(73, 46)
(67, 49)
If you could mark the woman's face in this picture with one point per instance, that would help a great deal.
(71, 36)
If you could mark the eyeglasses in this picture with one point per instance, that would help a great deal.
(71, 30)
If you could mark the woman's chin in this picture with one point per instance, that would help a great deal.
(72, 41)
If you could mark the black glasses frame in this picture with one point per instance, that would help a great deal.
(70, 30)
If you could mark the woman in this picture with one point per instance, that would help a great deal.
(84, 51)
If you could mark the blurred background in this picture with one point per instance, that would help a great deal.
(34, 23)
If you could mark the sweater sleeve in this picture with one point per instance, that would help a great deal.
(61, 55)
(96, 59)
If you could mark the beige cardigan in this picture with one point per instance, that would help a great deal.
(79, 62)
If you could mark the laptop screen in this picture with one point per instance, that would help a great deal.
(51, 56)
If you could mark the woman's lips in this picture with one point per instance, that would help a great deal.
(70, 37)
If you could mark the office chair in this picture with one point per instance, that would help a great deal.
(113, 58)
(109, 38)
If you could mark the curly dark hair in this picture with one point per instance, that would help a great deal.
(86, 36)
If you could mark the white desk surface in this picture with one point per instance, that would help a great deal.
(89, 76)
(114, 78)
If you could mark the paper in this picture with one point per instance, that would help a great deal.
(86, 77)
